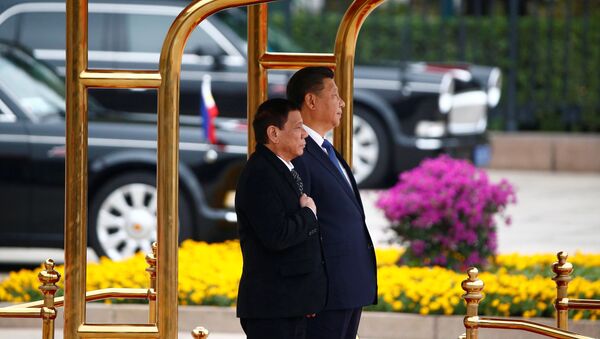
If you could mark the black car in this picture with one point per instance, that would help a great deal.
(122, 168)
(401, 114)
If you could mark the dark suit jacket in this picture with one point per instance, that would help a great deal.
(283, 273)
(347, 245)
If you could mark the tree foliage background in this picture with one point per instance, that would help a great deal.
(556, 64)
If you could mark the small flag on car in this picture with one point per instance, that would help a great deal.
(208, 110)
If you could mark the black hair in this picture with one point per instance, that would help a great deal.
(273, 112)
(306, 80)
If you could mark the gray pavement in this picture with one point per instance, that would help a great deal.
(554, 211)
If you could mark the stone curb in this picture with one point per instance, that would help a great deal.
(571, 152)
(380, 325)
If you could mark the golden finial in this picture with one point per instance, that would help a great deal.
(562, 268)
(473, 286)
(200, 333)
(151, 269)
(48, 277)
(151, 259)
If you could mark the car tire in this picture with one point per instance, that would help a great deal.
(370, 149)
(123, 216)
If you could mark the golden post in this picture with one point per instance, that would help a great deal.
(48, 277)
(563, 270)
(151, 260)
(473, 286)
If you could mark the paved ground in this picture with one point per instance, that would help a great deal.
(554, 212)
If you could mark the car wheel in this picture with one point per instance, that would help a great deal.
(123, 216)
(370, 149)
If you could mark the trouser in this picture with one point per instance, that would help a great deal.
(275, 328)
(334, 324)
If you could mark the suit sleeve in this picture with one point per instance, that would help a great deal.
(275, 228)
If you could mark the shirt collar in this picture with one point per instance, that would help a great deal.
(287, 163)
(315, 136)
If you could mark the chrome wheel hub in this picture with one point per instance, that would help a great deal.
(365, 149)
(127, 221)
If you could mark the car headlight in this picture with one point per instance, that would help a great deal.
(494, 87)
(446, 93)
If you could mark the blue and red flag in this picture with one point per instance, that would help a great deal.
(208, 110)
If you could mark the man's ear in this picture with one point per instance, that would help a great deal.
(310, 100)
(273, 134)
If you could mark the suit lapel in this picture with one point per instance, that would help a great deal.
(318, 153)
(352, 181)
(278, 165)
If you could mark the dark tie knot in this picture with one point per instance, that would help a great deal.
(298, 180)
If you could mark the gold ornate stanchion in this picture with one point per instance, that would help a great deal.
(151, 260)
(45, 309)
(473, 286)
(163, 271)
(200, 333)
(260, 61)
(563, 270)
(48, 277)
(166, 79)
(563, 303)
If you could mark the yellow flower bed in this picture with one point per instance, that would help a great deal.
(209, 274)
(522, 262)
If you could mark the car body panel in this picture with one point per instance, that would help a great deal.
(32, 156)
(406, 98)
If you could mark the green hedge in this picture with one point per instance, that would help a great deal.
(548, 53)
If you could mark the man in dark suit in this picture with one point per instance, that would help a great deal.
(283, 281)
(347, 246)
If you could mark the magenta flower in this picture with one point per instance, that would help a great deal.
(444, 212)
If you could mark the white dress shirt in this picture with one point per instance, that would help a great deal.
(319, 140)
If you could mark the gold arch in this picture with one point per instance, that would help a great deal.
(166, 80)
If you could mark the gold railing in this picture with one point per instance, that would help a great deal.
(46, 309)
(473, 286)
(163, 269)
(342, 59)
(166, 80)
(563, 303)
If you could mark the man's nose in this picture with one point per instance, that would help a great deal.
(342, 103)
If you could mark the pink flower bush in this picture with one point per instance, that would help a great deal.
(444, 212)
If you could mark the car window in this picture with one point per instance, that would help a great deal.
(8, 29)
(38, 91)
(146, 33)
(47, 30)
(236, 20)
(6, 115)
(200, 42)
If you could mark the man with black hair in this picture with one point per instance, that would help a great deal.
(283, 280)
(347, 245)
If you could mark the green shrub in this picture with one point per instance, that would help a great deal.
(557, 65)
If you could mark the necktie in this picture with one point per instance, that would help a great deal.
(331, 153)
(298, 180)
